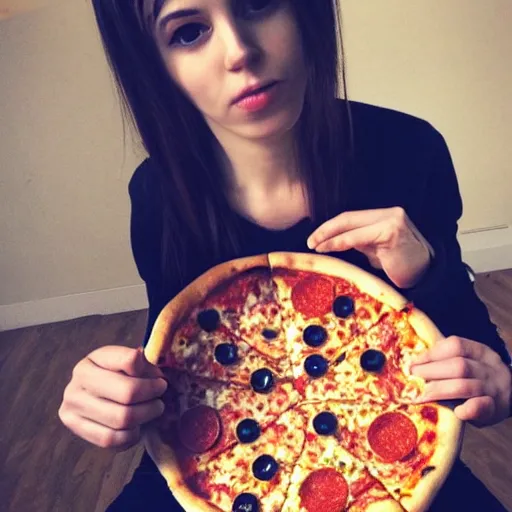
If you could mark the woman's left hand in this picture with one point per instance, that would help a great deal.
(387, 237)
(457, 368)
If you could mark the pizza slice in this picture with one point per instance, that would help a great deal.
(321, 312)
(202, 418)
(218, 356)
(224, 326)
(376, 365)
(247, 306)
(408, 448)
(251, 476)
(327, 478)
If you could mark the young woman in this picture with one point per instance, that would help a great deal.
(250, 152)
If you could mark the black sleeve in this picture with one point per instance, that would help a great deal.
(446, 292)
(145, 234)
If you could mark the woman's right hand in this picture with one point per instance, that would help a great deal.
(112, 393)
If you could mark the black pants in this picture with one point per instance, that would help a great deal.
(148, 491)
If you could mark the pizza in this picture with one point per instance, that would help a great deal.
(289, 389)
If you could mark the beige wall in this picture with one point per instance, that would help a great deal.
(64, 208)
(448, 62)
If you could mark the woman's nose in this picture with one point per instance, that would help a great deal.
(241, 50)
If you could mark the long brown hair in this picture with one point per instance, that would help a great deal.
(195, 212)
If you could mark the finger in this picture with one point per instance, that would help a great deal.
(113, 415)
(454, 368)
(345, 222)
(117, 387)
(123, 359)
(354, 239)
(100, 435)
(480, 409)
(455, 346)
(453, 389)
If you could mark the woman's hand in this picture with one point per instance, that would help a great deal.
(113, 391)
(457, 368)
(387, 237)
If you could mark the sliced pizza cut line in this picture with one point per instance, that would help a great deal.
(203, 418)
(247, 306)
(220, 356)
(375, 366)
(308, 298)
(409, 449)
(223, 317)
(254, 475)
(327, 478)
(322, 313)
(195, 293)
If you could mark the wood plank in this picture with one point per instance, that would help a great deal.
(43, 466)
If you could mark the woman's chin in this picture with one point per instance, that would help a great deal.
(269, 127)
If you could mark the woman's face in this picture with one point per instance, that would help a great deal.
(219, 50)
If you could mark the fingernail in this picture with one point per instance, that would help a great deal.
(310, 244)
(163, 385)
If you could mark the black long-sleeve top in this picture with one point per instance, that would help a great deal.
(404, 162)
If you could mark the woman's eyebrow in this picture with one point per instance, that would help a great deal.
(183, 13)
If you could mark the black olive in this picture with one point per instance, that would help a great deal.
(248, 431)
(265, 467)
(208, 320)
(325, 423)
(262, 381)
(373, 360)
(226, 354)
(246, 503)
(343, 307)
(316, 365)
(314, 335)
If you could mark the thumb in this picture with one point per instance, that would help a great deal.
(141, 367)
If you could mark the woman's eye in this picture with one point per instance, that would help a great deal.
(257, 6)
(189, 34)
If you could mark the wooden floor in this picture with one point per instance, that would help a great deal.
(44, 468)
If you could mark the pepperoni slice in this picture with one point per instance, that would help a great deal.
(313, 296)
(233, 294)
(199, 428)
(324, 490)
(392, 436)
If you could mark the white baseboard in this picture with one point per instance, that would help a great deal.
(57, 309)
(484, 251)
(487, 251)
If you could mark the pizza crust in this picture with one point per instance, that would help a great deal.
(385, 506)
(166, 462)
(424, 327)
(450, 433)
(175, 311)
(329, 265)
